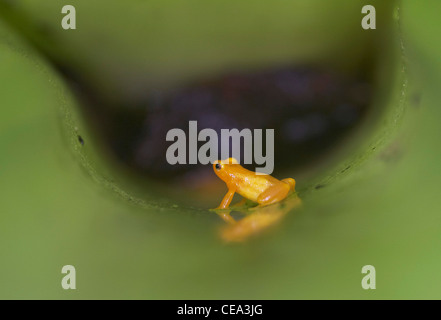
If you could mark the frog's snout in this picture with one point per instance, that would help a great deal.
(219, 164)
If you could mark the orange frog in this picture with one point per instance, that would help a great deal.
(259, 188)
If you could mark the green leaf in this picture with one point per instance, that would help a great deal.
(373, 201)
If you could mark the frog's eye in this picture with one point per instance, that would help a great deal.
(218, 166)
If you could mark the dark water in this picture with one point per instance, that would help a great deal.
(309, 110)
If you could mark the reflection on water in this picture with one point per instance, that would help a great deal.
(256, 220)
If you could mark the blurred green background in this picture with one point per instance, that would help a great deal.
(372, 201)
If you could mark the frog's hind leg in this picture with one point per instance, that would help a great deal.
(240, 204)
(274, 194)
(291, 182)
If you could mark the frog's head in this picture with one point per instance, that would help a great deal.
(223, 168)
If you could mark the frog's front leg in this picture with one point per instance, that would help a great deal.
(227, 199)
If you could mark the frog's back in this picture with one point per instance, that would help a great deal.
(250, 185)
